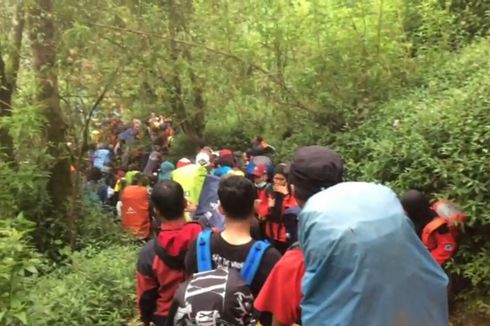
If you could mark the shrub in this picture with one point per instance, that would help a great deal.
(97, 288)
(18, 263)
(437, 139)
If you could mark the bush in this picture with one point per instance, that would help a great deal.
(437, 139)
(98, 288)
(18, 263)
(100, 229)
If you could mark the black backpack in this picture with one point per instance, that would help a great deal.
(218, 297)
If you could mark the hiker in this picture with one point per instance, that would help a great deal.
(262, 187)
(165, 172)
(359, 245)
(95, 189)
(281, 225)
(312, 170)
(129, 136)
(135, 211)
(153, 163)
(231, 247)
(432, 229)
(160, 267)
(261, 147)
(102, 158)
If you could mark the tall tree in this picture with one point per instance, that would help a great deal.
(191, 115)
(9, 68)
(42, 32)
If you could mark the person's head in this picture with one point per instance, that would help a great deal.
(313, 169)
(226, 161)
(136, 124)
(260, 176)
(417, 207)
(281, 175)
(237, 197)
(169, 200)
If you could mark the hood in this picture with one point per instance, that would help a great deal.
(175, 238)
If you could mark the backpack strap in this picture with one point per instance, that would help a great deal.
(174, 262)
(253, 260)
(204, 262)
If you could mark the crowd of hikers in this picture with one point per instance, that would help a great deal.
(229, 238)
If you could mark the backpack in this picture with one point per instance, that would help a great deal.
(207, 211)
(215, 298)
(252, 262)
(221, 296)
(191, 177)
(452, 214)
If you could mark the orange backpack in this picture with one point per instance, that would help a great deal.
(452, 214)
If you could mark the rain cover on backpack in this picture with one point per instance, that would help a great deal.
(191, 178)
(365, 266)
(207, 211)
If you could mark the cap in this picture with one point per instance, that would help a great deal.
(315, 168)
(203, 159)
(183, 162)
(259, 170)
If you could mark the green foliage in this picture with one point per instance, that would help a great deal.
(99, 229)
(97, 288)
(19, 262)
(437, 139)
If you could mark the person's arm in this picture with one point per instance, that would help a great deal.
(147, 285)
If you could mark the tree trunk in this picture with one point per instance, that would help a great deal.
(8, 80)
(44, 47)
(190, 115)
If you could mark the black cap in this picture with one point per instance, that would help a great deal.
(315, 168)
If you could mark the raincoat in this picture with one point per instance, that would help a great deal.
(365, 264)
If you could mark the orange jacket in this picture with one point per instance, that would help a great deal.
(136, 211)
(440, 242)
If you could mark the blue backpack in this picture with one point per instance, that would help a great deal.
(252, 263)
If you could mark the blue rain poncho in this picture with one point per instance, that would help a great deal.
(364, 263)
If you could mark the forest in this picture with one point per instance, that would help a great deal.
(400, 88)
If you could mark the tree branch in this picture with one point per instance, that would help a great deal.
(91, 113)
(233, 56)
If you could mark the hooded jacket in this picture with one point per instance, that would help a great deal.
(365, 264)
(160, 269)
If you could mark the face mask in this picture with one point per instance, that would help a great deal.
(261, 184)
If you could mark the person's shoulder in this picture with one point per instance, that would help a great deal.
(194, 227)
(272, 251)
(272, 255)
(292, 258)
